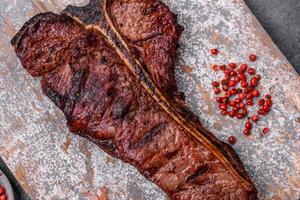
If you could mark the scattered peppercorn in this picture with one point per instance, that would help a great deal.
(232, 65)
(249, 96)
(261, 102)
(252, 57)
(247, 132)
(268, 96)
(217, 90)
(239, 116)
(232, 73)
(225, 88)
(242, 105)
(232, 140)
(249, 102)
(223, 112)
(2, 193)
(219, 99)
(2, 190)
(231, 83)
(254, 81)
(242, 95)
(265, 130)
(215, 83)
(232, 114)
(266, 108)
(222, 67)
(233, 91)
(261, 112)
(236, 79)
(214, 51)
(255, 118)
(257, 76)
(248, 125)
(251, 71)
(3, 197)
(244, 84)
(243, 67)
(224, 82)
(255, 93)
(243, 77)
(223, 106)
(215, 67)
(244, 111)
(269, 102)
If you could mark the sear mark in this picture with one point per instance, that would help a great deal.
(108, 145)
(148, 137)
(140, 42)
(121, 108)
(169, 156)
(91, 39)
(78, 82)
(149, 10)
(54, 96)
(201, 170)
(103, 60)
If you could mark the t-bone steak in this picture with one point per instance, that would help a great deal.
(109, 66)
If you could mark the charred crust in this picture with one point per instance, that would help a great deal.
(200, 171)
(103, 60)
(42, 17)
(89, 14)
(78, 82)
(121, 109)
(54, 96)
(107, 145)
(150, 134)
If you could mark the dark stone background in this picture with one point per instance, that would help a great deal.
(280, 18)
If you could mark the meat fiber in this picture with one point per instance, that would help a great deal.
(109, 66)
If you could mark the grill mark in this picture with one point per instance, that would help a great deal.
(103, 60)
(150, 10)
(108, 145)
(121, 108)
(169, 157)
(86, 14)
(148, 137)
(54, 96)
(201, 170)
(77, 82)
(150, 37)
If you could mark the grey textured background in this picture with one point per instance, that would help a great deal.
(280, 18)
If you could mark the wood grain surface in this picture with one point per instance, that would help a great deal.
(51, 163)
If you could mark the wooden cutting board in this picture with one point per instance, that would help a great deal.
(51, 163)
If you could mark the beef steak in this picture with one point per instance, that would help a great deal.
(109, 67)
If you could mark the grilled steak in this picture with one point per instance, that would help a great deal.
(109, 67)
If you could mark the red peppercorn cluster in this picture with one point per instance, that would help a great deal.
(2, 193)
(236, 93)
